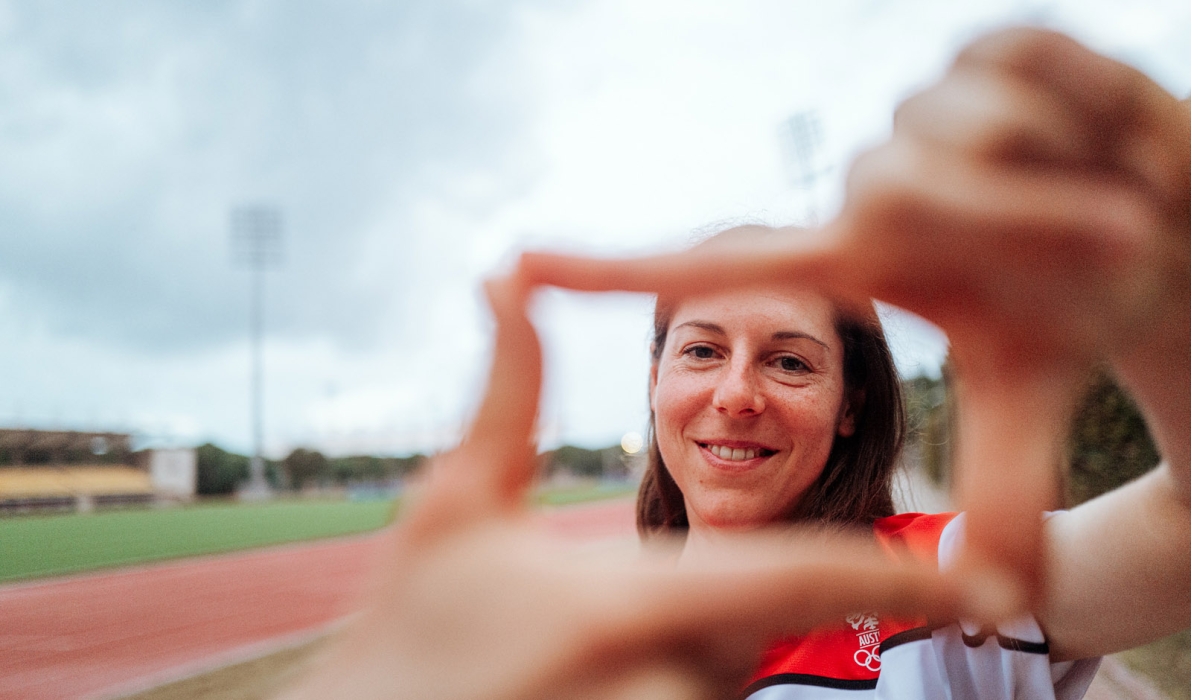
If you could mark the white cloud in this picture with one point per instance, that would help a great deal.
(411, 149)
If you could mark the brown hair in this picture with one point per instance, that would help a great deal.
(854, 487)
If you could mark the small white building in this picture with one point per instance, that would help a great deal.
(174, 472)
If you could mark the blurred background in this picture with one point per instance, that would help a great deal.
(239, 228)
(408, 149)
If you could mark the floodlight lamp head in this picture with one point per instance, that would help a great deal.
(256, 235)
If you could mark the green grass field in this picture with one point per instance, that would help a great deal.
(583, 492)
(37, 546)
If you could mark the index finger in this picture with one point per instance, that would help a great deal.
(495, 463)
(747, 255)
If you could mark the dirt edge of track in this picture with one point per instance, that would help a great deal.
(257, 678)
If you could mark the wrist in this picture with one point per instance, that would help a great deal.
(1157, 370)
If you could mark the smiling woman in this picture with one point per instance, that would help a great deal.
(771, 403)
(768, 404)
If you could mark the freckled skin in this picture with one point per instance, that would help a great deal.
(759, 368)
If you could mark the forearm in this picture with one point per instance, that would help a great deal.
(1119, 570)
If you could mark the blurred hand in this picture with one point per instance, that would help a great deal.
(478, 603)
(1034, 204)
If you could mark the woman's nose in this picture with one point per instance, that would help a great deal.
(737, 393)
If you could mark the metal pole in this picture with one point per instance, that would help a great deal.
(256, 241)
(806, 138)
(257, 465)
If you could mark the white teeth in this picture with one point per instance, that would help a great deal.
(732, 455)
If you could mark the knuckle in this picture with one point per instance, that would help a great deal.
(1015, 47)
(910, 110)
(881, 179)
(887, 192)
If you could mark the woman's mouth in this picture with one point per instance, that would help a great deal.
(736, 454)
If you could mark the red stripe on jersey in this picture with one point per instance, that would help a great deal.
(917, 533)
(849, 650)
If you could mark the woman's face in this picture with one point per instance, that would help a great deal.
(748, 398)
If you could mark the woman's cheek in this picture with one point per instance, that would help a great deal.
(676, 404)
(678, 397)
(814, 410)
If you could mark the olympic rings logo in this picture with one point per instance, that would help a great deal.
(869, 658)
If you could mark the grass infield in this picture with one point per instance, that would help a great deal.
(40, 546)
(581, 493)
(33, 546)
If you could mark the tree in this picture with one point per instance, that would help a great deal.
(929, 424)
(303, 465)
(359, 469)
(1109, 443)
(219, 471)
(578, 461)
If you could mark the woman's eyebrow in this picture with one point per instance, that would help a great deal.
(780, 335)
(703, 325)
(793, 335)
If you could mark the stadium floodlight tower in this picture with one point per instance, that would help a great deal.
(804, 139)
(256, 244)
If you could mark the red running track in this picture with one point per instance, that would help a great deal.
(109, 634)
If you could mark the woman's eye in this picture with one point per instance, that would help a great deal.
(791, 364)
(701, 352)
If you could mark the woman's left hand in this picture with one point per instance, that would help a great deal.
(1034, 204)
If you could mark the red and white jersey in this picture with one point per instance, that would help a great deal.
(870, 658)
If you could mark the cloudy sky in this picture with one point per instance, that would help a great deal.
(410, 147)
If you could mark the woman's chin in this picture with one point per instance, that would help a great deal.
(735, 519)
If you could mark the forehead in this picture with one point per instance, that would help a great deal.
(765, 309)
